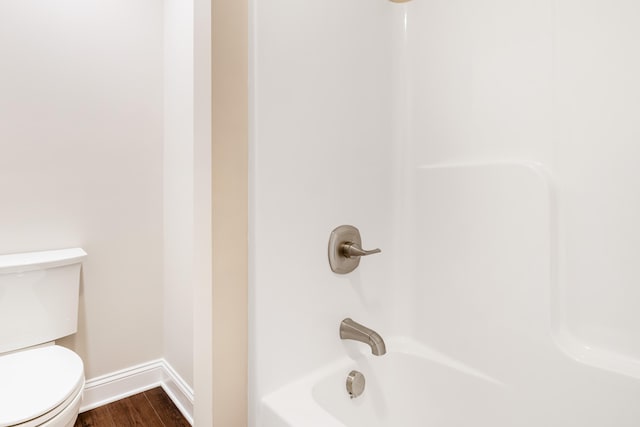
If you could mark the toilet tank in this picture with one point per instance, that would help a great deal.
(38, 297)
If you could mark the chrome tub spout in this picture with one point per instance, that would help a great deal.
(350, 330)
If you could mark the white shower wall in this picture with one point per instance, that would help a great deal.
(552, 82)
(350, 98)
(322, 156)
(596, 134)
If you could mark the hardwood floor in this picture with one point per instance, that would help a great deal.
(152, 408)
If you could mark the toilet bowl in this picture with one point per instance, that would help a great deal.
(40, 387)
(41, 383)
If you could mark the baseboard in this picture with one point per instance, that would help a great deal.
(127, 382)
(179, 391)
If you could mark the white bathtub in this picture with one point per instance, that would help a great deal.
(413, 385)
(494, 336)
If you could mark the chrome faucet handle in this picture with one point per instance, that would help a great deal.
(345, 249)
(351, 250)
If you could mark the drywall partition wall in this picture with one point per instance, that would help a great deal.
(203, 247)
(552, 82)
(322, 156)
(178, 186)
(187, 198)
(230, 211)
(81, 161)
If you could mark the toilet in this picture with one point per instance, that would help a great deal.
(41, 383)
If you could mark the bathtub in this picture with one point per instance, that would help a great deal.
(415, 385)
(490, 335)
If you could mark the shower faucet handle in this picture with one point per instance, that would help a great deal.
(345, 249)
(350, 250)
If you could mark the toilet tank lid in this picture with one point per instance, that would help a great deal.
(17, 263)
(37, 381)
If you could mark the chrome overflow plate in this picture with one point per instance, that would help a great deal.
(355, 384)
(345, 249)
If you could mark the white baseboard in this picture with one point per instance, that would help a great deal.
(179, 392)
(127, 382)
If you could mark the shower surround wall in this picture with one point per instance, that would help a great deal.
(322, 145)
(551, 82)
(352, 100)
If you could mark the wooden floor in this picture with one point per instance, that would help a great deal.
(152, 408)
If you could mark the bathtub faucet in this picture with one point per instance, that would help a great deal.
(350, 330)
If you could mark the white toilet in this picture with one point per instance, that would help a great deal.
(40, 383)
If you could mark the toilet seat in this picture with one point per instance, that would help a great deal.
(39, 385)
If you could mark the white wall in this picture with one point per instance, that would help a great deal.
(553, 82)
(343, 114)
(480, 78)
(596, 132)
(178, 187)
(81, 110)
(203, 246)
(321, 157)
